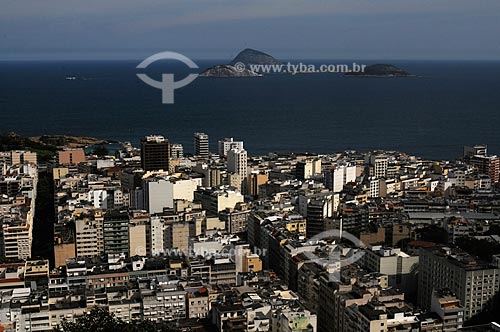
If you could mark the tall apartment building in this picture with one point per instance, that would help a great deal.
(115, 233)
(378, 188)
(16, 235)
(237, 163)
(176, 151)
(228, 144)
(89, 237)
(157, 236)
(337, 177)
(473, 282)
(378, 166)
(155, 153)
(476, 150)
(17, 240)
(489, 166)
(317, 208)
(317, 211)
(201, 145)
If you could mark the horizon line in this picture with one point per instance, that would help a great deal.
(103, 59)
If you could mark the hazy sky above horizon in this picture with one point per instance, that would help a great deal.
(288, 29)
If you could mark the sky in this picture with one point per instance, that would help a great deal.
(219, 29)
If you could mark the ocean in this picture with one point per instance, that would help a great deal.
(448, 105)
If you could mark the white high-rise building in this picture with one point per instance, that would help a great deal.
(336, 178)
(237, 163)
(176, 151)
(157, 236)
(228, 144)
(379, 165)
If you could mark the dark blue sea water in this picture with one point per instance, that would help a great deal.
(449, 104)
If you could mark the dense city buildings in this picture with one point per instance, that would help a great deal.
(377, 241)
(339, 173)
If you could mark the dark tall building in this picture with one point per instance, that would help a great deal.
(155, 153)
(115, 232)
(476, 150)
(201, 145)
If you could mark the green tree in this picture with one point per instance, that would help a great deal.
(484, 249)
(101, 320)
(434, 234)
(100, 150)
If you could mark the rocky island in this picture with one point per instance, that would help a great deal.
(381, 70)
(226, 71)
(240, 65)
(253, 57)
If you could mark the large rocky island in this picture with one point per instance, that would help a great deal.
(240, 65)
(381, 70)
(253, 57)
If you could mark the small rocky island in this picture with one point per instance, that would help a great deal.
(381, 70)
(240, 65)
